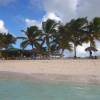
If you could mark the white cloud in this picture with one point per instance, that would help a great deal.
(68, 9)
(31, 22)
(65, 9)
(5, 2)
(3, 29)
(88, 8)
(81, 50)
(52, 16)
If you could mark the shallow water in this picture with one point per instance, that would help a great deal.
(29, 90)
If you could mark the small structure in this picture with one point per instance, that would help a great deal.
(90, 50)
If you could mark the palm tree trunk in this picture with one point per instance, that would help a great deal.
(75, 51)
(90, 51)
(32, 51)
(48, 45)
(49, 51)
(62, 52)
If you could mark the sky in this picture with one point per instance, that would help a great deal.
(16, 15)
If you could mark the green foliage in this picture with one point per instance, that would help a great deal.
(74, 30)
(54, 37)
(6, 40)
(32, 37)
(93, 31)
(64, 39)
(49, 32)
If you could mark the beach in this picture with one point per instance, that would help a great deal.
(79, 70)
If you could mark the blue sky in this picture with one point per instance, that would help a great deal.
(15, 12)
(16, 15)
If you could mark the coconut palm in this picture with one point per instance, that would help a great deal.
(92, 31)
(32, 37)
(49, 29)
(75, 29)
(6, 40)
(63, 40)
(1, 40)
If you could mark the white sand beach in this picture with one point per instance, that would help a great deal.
(83, 70)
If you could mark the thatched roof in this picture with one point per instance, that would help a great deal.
(91, 49)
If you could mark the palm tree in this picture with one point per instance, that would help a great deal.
(49, 29)
(6, 40)
(92, 31)
(32, 37)
(75, 29)
(63, 39)
(1, 40)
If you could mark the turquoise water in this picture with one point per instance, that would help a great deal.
(28, 90)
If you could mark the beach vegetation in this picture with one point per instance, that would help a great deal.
(53, 38)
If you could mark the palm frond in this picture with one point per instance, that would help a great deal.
(24, 44)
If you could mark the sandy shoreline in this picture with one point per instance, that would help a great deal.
(83, 71)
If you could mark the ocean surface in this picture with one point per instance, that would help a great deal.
(29, 90)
